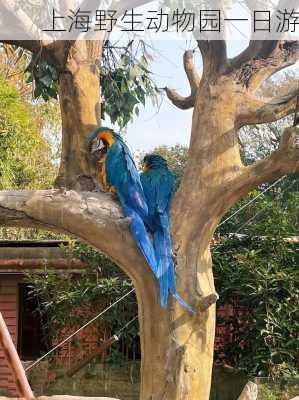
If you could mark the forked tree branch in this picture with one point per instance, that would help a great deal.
(283, 161)
(179, 101)
(214, 56)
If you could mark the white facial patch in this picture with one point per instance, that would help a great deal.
(97, 145)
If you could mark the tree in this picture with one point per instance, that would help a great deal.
(25, 155)
(177, 349)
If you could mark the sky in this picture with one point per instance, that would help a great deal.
(168, 125)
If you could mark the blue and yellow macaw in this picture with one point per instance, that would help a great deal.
(158, 182)
(118, 173)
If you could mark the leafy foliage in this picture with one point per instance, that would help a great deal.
(276, 209)
(25, 156)
(256, 275)
(45, 77)
(126, 81)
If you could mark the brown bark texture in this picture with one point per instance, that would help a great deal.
(79, 95)
(177, 348)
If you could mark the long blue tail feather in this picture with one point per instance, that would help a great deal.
(166, 271)
(141, 237)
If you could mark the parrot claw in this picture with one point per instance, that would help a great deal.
(207, 301)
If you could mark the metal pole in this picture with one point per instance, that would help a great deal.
(14, 362)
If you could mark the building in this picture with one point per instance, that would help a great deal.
(16, 304)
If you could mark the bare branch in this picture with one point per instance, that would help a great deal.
(23, 23)
(283, 161)
(286, 54)
(92, 217)
(184, 103)
(257, 111)
(191, 71)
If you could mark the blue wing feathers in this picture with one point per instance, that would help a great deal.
(158, 186)
(122, 174)
(141, 237)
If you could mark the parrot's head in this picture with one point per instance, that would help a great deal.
(99, 142)
(152, 161)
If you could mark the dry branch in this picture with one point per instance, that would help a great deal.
(184, 103)
(283, 161)
(191, 71)
(259, 111)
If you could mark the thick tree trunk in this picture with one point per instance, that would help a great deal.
(79, 95)
(213, 160)
(177, 349)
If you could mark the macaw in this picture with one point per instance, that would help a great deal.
(158, 182)
(118, 173)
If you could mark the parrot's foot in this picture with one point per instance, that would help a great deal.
(207, 301)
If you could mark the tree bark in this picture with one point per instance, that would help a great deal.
(79, 93)
(173, 343)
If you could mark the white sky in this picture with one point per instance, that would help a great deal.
(168, 125)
